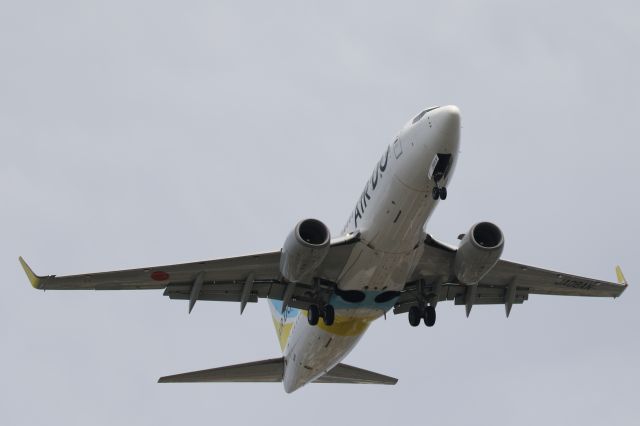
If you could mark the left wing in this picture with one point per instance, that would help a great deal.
(507, 283)
(237, 279)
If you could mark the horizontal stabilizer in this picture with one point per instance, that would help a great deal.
(343, 373)
(270, 370)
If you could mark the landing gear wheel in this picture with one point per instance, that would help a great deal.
(435, 193)
(414, 316)
(429, 316)
(328, 315)
(313, 314)
(443, 193)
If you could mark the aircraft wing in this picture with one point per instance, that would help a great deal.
(238, 279)
(507, 283)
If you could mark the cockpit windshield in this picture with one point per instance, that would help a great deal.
(419, 116)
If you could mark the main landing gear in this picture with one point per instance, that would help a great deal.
(428, 314)
(327, 313)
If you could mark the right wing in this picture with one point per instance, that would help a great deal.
(542, 281)
(237, 279)
(507, 283)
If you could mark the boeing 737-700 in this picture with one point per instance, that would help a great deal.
(324, 293)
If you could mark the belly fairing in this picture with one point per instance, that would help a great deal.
(314, 350)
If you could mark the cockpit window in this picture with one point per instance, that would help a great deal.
(419, 116)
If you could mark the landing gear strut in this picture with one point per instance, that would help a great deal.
(428, 314)
(327, 313)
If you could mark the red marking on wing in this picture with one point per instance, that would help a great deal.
(159, 276)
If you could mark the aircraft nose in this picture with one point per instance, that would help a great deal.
(447, 119)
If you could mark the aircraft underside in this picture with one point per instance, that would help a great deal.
(324, 293)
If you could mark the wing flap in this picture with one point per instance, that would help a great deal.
(270, 370)
(343, 373)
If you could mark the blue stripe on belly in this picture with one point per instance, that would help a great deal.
(277, 305)
(339, 303)
(368, 302)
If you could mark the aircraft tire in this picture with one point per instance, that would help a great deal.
(443, 193)
(328, 315)
(414, 316)
(435, 193)
(313, 314)
(429, 316)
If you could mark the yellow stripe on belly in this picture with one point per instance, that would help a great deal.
(283, 331)
(346, 326)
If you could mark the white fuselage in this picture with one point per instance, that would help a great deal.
(390, 217)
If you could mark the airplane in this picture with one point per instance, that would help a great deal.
(324, 293)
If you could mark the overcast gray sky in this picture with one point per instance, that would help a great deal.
(136, 133)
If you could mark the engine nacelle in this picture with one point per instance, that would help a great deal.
(479, 251)
(304, 250)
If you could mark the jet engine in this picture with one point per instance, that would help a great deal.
(479, 251)
(304, 250)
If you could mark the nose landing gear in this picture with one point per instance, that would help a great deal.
(439, 193)
(438, 171)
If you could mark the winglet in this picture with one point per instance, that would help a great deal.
(621, 279)
(35, 279)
